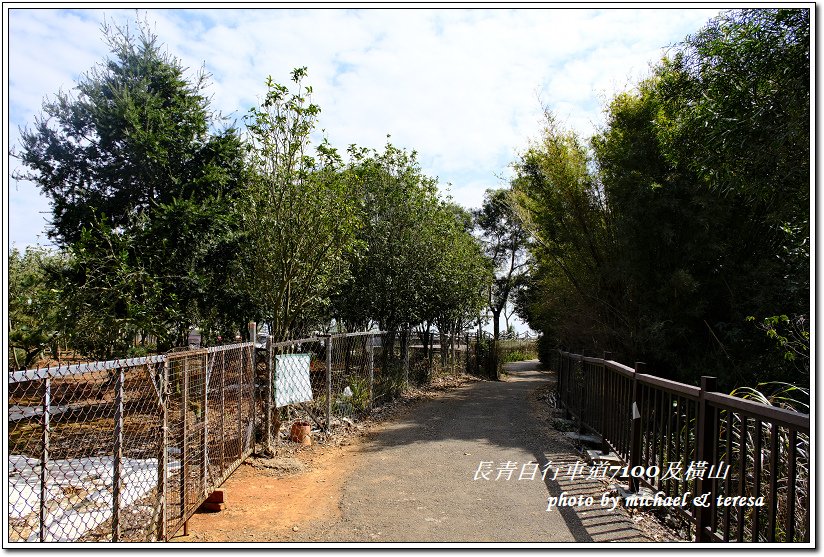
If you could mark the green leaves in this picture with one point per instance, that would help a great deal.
(303, 212)
(141, 195)
(692, 214)
(33, 312)
(417, 261)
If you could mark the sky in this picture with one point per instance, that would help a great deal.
(465, 88)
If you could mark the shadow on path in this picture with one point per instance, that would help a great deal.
(419, 478)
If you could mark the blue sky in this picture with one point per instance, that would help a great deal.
(464, 88)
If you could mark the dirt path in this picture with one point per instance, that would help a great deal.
(413, 480)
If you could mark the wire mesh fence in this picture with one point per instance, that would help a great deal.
(73, 431)
(210, 422)
(322, 381)
(127, 450)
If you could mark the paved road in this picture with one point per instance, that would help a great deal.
(415, 479)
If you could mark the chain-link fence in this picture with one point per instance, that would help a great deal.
(324, 380)
(127, 450)
(210, 421)
(84, 447)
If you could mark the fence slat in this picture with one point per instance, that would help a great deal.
(791, 473)
(773, 498)
(728, 479)
(757, 473)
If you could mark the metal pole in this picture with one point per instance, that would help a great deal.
(405, 347)
(606, 402)
(253, 379)
(328, 383)
(706, 441)
(466, 348)
(240, 431)
(370, 348)
(205, 414)
(635, 446)
(44, 458)
(163, 465)
(267, 433)
(118, 454)
(184, 453)
(222, 385)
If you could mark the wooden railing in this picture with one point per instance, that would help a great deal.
(686, 440)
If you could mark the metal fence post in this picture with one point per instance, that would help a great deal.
(580, 391)
(370, 349)
(163, 464)
(241, 433)
(328, 383)
(635, 446)
(267, 434)
(118, 454)
(184, 442)
(253, 377)
(704, 449)
(466, 350)
(205, 414)
(222, 386)
(44, 457)
(606, 402)
(405, 338)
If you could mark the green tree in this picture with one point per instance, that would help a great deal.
(463, 282)
(302, 213)
(560, 204)
(136, 177)
(712, 152)
(505, 243)
(419, 266)
(33, 309)
(400, 206)
(688, 232)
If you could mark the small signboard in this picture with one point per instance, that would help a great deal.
(292, 384)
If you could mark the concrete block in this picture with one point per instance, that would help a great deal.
(597, 457)
(584, 438)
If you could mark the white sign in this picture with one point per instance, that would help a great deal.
(292, 382)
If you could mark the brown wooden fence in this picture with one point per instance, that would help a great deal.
(683, 439)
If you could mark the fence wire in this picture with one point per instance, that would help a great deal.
(210, 423)
(127, 450)
(72, 431)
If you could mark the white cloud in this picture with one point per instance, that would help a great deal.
(462, 87)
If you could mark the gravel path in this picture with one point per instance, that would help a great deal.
(415, 480)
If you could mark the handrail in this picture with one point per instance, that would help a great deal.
(671, 386)
(781, 416)
(652, 422)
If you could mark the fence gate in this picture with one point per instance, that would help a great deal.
(210, 421)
